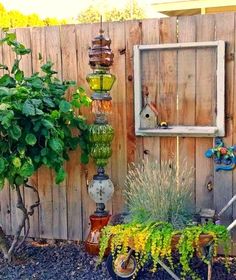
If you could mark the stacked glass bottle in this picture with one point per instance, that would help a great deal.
(101, 133)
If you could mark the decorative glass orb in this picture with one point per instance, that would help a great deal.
(100, 81)
(101, 190)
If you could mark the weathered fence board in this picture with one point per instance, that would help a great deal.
(232, 56)
(180, 83)
(222, 195)
(150, 79)
(168, 86)
(223, 181)
(118, 118)
(204, 167)
(133, 33)
(187, 91)
(59, 202)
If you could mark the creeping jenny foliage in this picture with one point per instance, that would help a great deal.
(36, 120)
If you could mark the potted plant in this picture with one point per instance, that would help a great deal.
(158, 198)
(35, 127)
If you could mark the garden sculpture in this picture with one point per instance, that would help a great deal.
(101, 135)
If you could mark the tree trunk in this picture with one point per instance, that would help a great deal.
(9, 251)
(4, 245)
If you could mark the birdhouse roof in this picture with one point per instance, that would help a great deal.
(152, 106)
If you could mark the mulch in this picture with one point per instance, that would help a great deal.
(69, 261)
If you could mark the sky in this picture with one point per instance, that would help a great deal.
(65, 8)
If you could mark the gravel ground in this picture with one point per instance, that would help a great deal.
(65, 261)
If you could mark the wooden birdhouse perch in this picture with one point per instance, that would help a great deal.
(149, 113)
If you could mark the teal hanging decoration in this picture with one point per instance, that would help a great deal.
(223, 156)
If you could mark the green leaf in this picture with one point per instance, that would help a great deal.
(36, 102)
(10, 36)
(65, 106)
(47, 68)
(21, 50)
(45, 160)
(15, 131)
(48, 124)
(1, 183)
(82, 143)
(44, 152)
(38, 112)
(37, 83)
(4, 91)
(60, 176)
(80, 90)
(55, 114)
(37, 126)
(27, 169)
(7, 81)
(48, 101)
(30, 139)
(4, 106)
(19, 75)
(16, 161)
(37, 158)
(19, 180)
(15, 66)
(28, 108)
(21, 149)
(45, 132)
(84, 158)
(73, 142)
(6, 120)
(2, 165)
(55, 145)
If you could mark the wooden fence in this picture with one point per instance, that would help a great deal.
(65, 209)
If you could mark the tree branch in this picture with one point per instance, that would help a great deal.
(36, 204)
(20, 205)
(30, 212)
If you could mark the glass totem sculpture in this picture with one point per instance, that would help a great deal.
(100, 135)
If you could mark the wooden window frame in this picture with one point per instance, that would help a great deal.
(177, 130)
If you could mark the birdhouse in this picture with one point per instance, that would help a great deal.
(149, 116)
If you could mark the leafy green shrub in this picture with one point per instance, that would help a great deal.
(38, 126)
(160, 192)
(36, 120)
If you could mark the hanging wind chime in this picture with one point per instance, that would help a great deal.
(101, 134)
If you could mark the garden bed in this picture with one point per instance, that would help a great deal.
(64, 261)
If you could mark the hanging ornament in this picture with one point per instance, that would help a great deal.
(223, 156)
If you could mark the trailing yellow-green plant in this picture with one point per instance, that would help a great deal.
(156, 240)
(160, 192)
